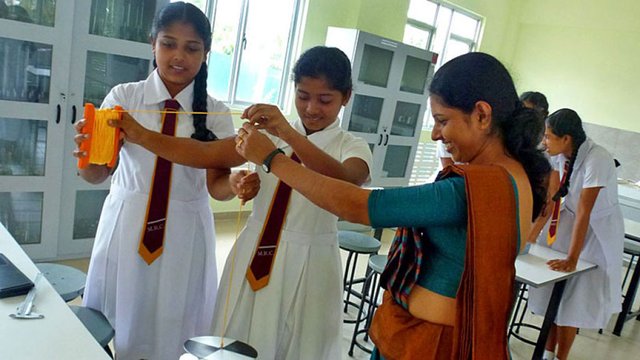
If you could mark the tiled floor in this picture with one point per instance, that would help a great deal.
(588, 344)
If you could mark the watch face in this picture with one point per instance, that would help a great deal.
(265, 168)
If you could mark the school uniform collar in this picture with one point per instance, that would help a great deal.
(155, 93)
(320, 138)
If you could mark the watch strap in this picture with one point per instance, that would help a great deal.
(266, 163)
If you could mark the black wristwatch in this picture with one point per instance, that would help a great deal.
(266, 163)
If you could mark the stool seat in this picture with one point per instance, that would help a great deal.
(96, 323)
(66, 280)
(377, 263)
(631, 247)
(358, 242)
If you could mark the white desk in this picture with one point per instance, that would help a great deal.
(60, 335)
(532, 269)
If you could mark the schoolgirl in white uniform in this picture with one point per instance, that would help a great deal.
(155, 307)
(590, 227)
(297, 315)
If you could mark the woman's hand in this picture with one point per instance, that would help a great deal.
(244, 184)
(132, 131)
(564, 265)
(269, 117)
(253, 145)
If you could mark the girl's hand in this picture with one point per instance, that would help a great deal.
(132, 131)
(79, 138)
(564, 265)
(253, 145)
(269, 117)
(244, 184)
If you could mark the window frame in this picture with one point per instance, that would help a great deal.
(427, 124)
(291, 50)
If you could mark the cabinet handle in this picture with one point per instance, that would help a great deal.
(73, 114)
(58, 109)
(380, 140)
(386, 139)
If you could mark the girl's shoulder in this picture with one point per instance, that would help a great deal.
(598, 155)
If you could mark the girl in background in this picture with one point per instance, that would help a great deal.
(590, 227)
(156, 304)
(537, 101)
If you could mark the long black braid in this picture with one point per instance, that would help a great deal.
(200, 97)
(190, 14)
(567, 122)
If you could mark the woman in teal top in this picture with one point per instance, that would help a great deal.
(480, 120)
(445, 225)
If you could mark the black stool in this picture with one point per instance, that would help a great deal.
(66, 280)
(354, 243)
(370, 294)
(69, 284)
(517, 317)
(97, 324)
(632, 248)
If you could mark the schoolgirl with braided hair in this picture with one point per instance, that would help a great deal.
(590, 227)
(158, 296)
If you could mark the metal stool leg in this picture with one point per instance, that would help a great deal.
(626, 273)
(520, 296)
(373, 304)
(359, 318)
(346, 284)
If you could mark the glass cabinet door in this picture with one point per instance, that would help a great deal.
(395, 161)
(375, 66)
(110, 47)
(23, 145)
(405, 119)
(365, 114)
(122, 19)
(104, 71)
(87, 213)
(26, 70)
(414, 75)
(34, 67)
(21, 212)
(40, 12)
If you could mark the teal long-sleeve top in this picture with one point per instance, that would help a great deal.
(441, 209)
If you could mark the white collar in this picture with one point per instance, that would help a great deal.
(155, 92)
(320, 138)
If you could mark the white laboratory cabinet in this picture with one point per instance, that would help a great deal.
(390, 91)
(56, 55)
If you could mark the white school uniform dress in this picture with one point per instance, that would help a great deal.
(590, 298)
(298, 315)
(155, 308)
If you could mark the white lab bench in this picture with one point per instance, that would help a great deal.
(59, 335)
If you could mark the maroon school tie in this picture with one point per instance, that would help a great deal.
(555, 216)
(262, 262)
(154, 226)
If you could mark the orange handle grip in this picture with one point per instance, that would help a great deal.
(85, 146)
